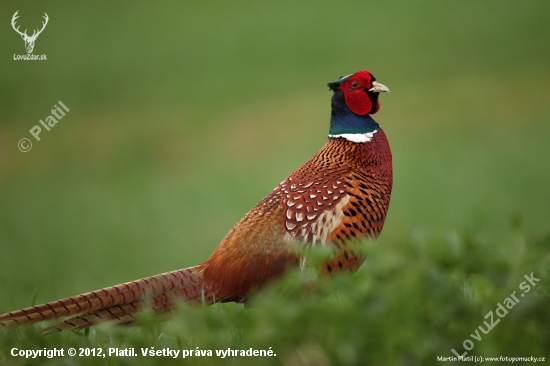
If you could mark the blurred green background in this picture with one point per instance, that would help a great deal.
(184, 114)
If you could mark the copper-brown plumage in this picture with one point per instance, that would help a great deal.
(339, 196)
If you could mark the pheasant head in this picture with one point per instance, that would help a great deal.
(355, 98)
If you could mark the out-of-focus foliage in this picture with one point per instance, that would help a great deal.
(411, 302)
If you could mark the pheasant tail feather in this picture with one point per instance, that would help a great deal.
(118, 303)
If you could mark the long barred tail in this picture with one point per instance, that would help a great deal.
(118, 303)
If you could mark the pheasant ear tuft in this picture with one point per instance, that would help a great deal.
(333, 86)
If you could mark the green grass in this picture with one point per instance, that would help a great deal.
(183, 116)
(411, 302)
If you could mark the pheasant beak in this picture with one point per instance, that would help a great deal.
(379, 88)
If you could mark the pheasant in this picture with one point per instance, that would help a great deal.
(339, 196)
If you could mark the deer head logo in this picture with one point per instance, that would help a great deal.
(29, 41)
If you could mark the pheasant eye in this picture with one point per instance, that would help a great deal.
(354, 84)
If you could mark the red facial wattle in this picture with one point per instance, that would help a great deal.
(357, 96)
(358, 101)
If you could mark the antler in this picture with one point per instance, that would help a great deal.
(13, 19)
(35, 35)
